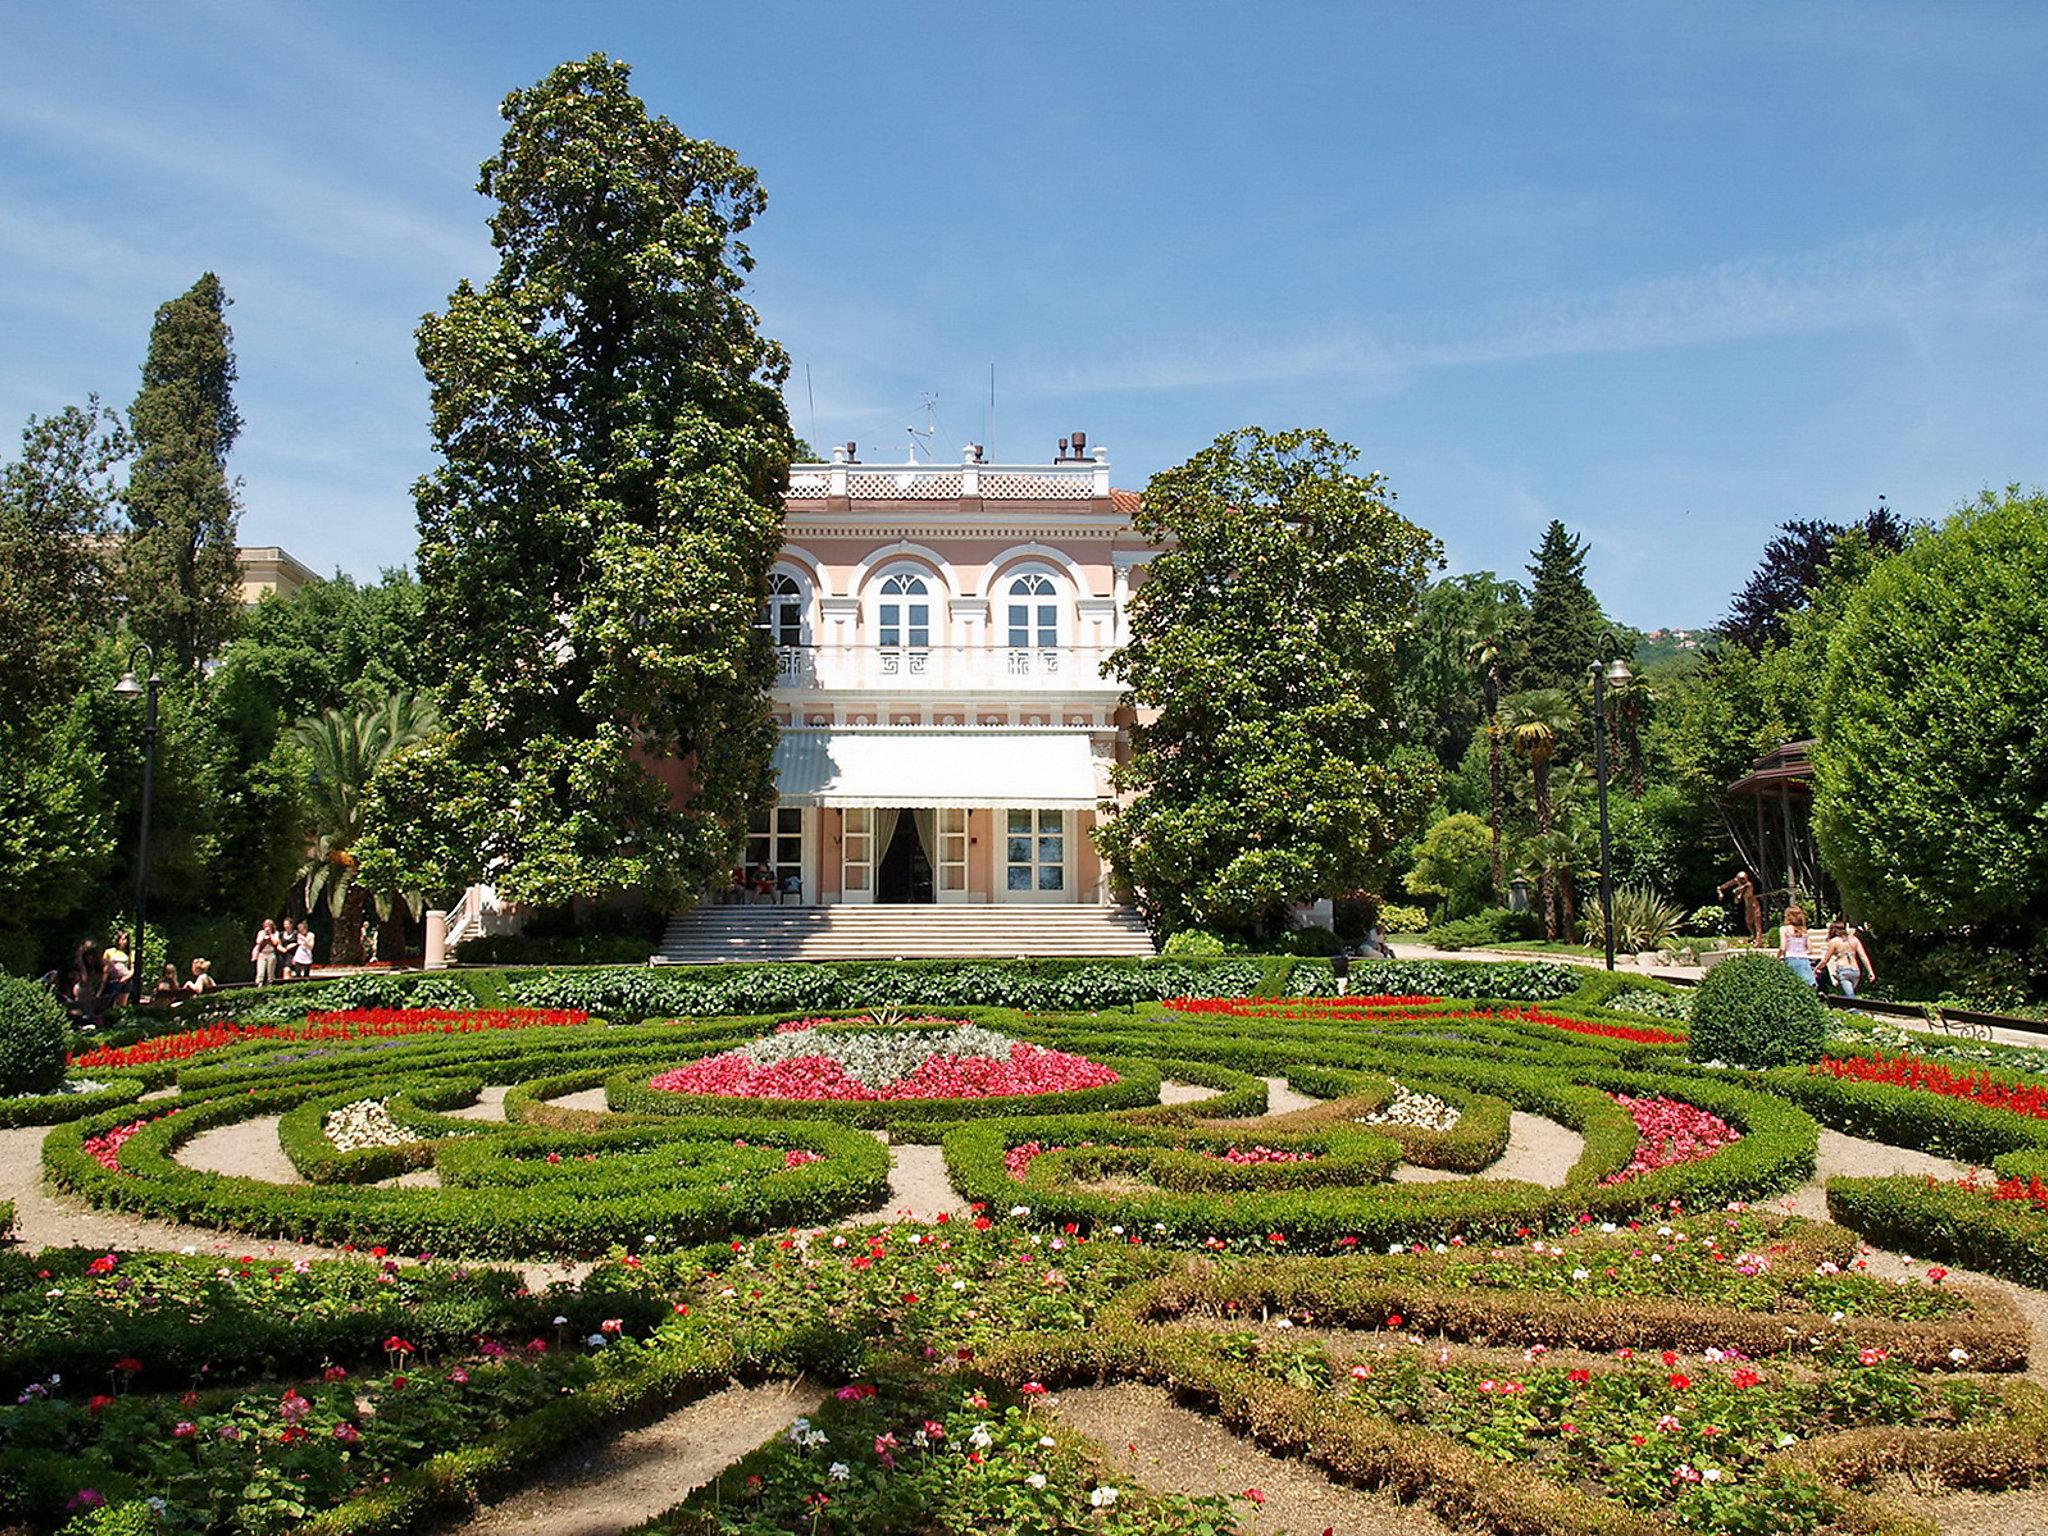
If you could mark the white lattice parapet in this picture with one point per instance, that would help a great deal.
(1068, 480)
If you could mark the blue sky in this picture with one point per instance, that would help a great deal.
(1670, 273)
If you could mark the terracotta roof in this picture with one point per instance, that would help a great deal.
(1126, 502)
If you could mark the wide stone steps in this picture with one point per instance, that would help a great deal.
(710, 935)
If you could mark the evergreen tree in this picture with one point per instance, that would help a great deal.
(596, 540)
(179, 569)
(1563, 632)
(1266, 766)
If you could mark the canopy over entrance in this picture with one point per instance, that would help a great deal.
(958, 768)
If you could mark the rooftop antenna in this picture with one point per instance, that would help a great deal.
(925, 438)
(812, 395)
(988, 427)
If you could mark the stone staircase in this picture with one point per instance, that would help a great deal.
(712, 934)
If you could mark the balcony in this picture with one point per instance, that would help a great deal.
(943, 668)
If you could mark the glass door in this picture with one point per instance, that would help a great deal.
(1035, 856)
(857, 856)
(952, 865)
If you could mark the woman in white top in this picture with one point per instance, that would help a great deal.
(1794, 948)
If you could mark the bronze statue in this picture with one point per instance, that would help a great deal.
(1744, 890)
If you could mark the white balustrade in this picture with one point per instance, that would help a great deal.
(960, 667)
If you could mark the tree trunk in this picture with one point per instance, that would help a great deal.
(1571, 906)
(1541, 770)
(347, 948)
(1500, 888)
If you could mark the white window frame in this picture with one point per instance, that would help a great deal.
(904, 656)
(1046, 823)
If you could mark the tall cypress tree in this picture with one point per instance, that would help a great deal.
(594, 545)
(1563, 631)
(178, 567)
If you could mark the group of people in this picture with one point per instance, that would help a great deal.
(282, 950)
(102, 976)
(1842, 961)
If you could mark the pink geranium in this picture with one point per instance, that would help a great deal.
(1670, 1132)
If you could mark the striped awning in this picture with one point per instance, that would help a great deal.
(960, 767)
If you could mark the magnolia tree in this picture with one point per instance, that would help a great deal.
(595, 541)
(1266, 768)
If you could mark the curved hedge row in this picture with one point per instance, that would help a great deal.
(56, 1108)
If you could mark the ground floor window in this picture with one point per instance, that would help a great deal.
(1036, 851)
(775, 843)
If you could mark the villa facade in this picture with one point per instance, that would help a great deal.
(947, 727)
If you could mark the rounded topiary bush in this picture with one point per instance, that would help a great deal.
(1753, 1011)
(32, 1032)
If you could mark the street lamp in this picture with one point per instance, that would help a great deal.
(129, 687)
(1609, 668)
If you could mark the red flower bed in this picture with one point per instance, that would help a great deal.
(105, 1148)
(1670, 1132)
(1415, 1009)
(1932, 1077)
(1030, 1069)
(347, 1025)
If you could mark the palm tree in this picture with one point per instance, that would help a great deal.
(1487, 638)
(347, 749)
(1536, 721)
(1561, 857)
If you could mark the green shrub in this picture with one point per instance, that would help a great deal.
(557, 949)
(1753, 1011)
(1655, 1005)
(32, 1035)
(1642, 920)
(1307, 941)
(1395, 918)
(1193, 942)
(1709, 921)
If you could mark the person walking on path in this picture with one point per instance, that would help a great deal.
(302, 951)
(1794, 947)
(1845, 959)
(264, 953)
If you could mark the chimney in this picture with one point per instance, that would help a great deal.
(1062, 457)
(1080, 445)
(851, 456)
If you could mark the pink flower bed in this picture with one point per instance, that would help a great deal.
(1670, 1132)
(955, 1063)
(105, 1148)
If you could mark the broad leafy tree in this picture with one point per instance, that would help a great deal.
(1795, 562)
(58, 504)
(1266, 766)
(595, 541)
(179, 575)
(1454, 864)
(1931, 769)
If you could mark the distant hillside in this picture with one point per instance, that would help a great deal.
(1666, 645)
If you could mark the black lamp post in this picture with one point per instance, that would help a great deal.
(130, 688)
(1609, 668)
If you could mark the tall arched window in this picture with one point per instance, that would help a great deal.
(903, 613)
(1034, 611)
(782, 611)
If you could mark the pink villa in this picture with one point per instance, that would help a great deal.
(940, 633)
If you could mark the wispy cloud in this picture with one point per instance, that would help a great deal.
(1987, 264)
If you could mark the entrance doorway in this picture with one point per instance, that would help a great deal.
(905, 872)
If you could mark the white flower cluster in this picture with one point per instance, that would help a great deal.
(83, 1085)
(1423, 1111)
(876, 1059)
(365, 1123)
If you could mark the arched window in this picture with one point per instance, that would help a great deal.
(782, 611)
(1034, 611)
(903, 612)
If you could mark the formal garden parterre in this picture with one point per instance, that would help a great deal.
(1348, 1271)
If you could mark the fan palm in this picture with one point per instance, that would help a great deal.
(1536, 722)
(1562, 857)
(346, 749)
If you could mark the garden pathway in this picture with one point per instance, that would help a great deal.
(1170, 1449)
(489, 1105)
(1539, 1150)
(1283, 1100)
(603, 1489)
(1839, 1156)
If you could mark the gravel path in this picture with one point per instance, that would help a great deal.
(1539, 1150)
(1169, 1449)
(2022, 1512)
(601, 1490)
(248, 1149)
(1185, 1093)
(1840, 1156)
(489, 1105)
(1283, 1100)
(919, 1188)
(45, 1220)
(589, 1100)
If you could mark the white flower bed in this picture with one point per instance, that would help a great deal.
(365, 1123)
(83, 1085)
(1422, 1111)
(879, 1058)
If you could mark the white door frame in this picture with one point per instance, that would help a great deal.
(1065, 895)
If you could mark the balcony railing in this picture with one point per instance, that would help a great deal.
(992, 668)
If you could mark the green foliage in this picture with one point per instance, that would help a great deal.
(1931, 770)
(1710, 920)
(1262, 659)
(1492, 925)
(56, 514)
(179, 573)
(1455, 865)
(1643, 920)
(1395, 918)
(1196, 943)
(1752, 1011)
(595, 540)
(1667, 842)
(1564, 619)
(33, 1033)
